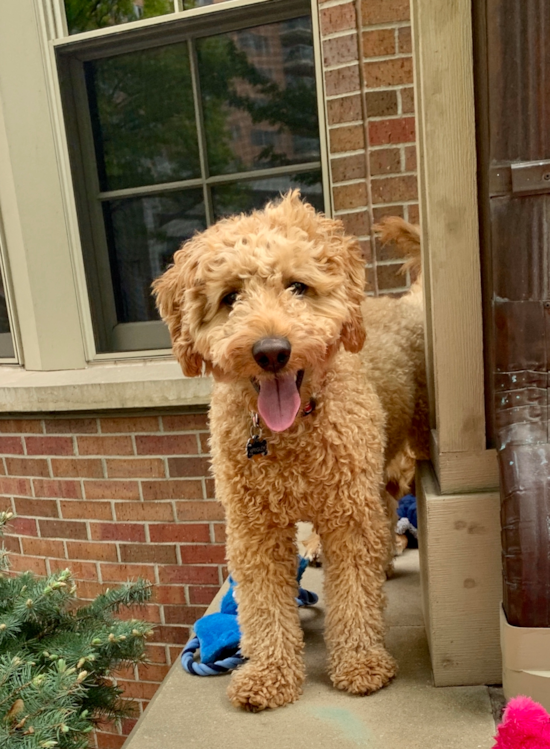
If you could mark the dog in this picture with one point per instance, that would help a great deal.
(303, 425)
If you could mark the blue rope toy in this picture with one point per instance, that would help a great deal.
(217, 636)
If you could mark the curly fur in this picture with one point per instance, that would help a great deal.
(328, 467)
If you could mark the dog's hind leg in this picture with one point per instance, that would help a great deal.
(354, 560)
(263, 563)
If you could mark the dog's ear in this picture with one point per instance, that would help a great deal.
(353, 330)
(174, 292)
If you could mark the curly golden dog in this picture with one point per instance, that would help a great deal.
(273, 305)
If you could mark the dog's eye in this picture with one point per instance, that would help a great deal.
(298, 288)
(230, 299)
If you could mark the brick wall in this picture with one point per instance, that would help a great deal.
(368, 72)
(114, 498)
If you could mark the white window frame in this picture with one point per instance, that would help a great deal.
(53, 326)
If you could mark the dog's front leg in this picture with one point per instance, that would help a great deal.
(263, 563)
(355, 556)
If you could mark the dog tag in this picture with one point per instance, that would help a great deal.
(256, 447)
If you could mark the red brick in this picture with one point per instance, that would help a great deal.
(414, 214)
(56, 488)
(340, 50)
(202, 554)
(21, 426)
(382, 132)
(202, 594)
(175, 652)
(379, 212)
(384, 11)
(15, 486)
(36, 507)
(77, 467)
(124, 672)
(348, 168)
(147, 553)
(152, 672)
(27, 466)
(5, 504)
(49, 445)
(117, 532)
(345, 109)
(138, 690)
(357, 223)
(379, 42)
(410, 159)
(189, 533)
(155, 653)
(385, 161)
(100, 552)
(204, 439)
(99, 445)
(407, 100)
(166, 444)
(220, 535)
(2, 468)
(149, 612)
(185, 422)
(80, 510)
(11, 446)
(127, 725)
(338, 18)
(136, 467)
(43, 548)
(210, 485)
(188, 467)
(172, 489)
(79, 570)
(394, 189)
(347, 197)
(87, 590)
(390, 277)
(183, 614)
(109, 740)
(199, 511)
(342, 80)
(177, 635)
(347, 138)
(144, 511)
(19, 563)
(381, 103)
(12, 544)
(130, 424)
(23, 526)
(188, 574)
(120, 573)
(405, 40)
(70, 426)
(169, 594)
(393, 72)
(63, 529)
(111, 489)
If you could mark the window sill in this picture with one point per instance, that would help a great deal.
(123, 385)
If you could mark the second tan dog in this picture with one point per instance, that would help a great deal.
(272, 304)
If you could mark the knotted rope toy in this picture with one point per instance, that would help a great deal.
(217, 636)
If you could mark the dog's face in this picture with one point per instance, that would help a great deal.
(266, 300)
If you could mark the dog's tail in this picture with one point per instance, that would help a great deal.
(406, 238)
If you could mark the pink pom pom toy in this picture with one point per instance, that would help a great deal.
(525, 725)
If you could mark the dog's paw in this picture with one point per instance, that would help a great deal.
(255, 686)
(313, 550)
(364, 673)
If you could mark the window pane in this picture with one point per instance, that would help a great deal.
(143, 234)
(143, 117)
(259, 97)
(87, 15)
(6, 343)
(246, 196)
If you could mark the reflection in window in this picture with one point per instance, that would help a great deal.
(87, 15)
(6, 342)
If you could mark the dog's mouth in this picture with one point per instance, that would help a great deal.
(279, 399)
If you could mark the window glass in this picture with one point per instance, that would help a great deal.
(6, 343)
(143, 117)
(143, 234)
(259, 97)
(87, 15)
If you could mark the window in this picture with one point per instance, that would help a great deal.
(167, 135)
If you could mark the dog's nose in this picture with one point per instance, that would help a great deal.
(271, 353)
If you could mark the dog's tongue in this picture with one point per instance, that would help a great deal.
(279, 402)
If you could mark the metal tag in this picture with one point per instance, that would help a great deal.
(256, 447)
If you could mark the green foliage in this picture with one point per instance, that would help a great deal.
(87, 15)
(56, 658)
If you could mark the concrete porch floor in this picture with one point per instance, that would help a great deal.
(190, 711)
